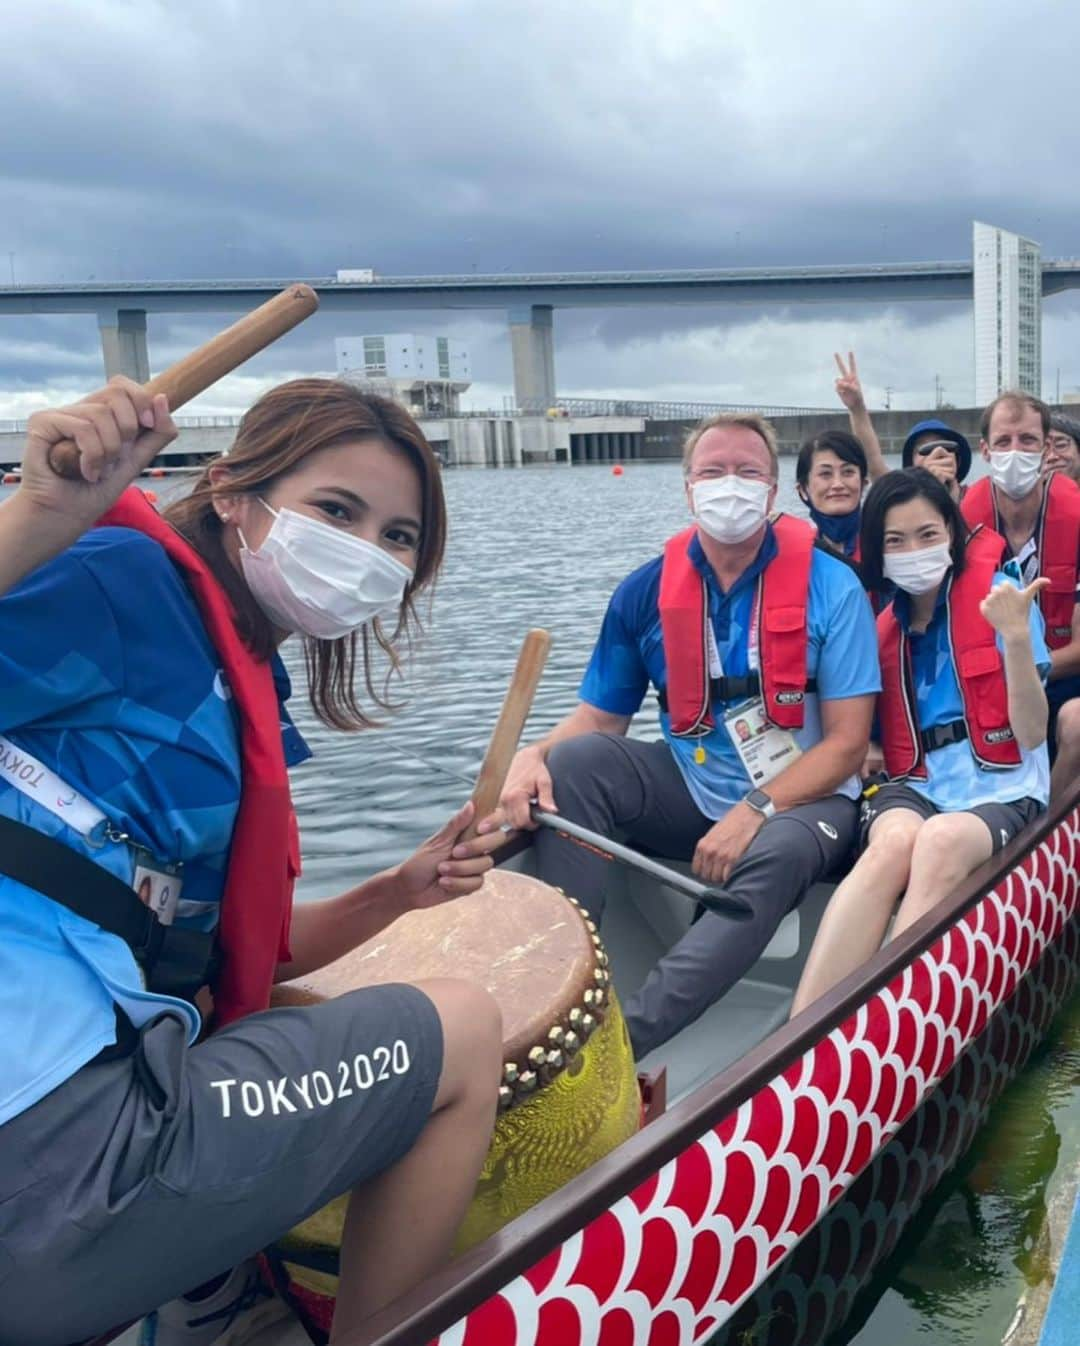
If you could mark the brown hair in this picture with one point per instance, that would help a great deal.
(1018, 402)
(283, 427)
(747, 420)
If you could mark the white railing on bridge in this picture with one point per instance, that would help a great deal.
(18, 427)
(660, 410)
(583, 407)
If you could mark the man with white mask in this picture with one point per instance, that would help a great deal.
(1039, 518)
(742, 618)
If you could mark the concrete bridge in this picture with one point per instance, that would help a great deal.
(529, 300)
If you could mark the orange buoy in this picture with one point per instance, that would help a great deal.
(616, 471)
(150, 495)
(10, 478)
(157, 471)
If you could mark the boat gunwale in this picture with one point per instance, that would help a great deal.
(449, 1295)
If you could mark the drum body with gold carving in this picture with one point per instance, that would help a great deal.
(569, 1093)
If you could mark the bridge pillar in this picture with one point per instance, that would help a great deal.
(532, 345)
(123, 343)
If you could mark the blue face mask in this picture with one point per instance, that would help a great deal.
(841, 529)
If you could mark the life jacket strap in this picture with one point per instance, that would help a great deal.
(732, 689)
(174, 961)
(943, 735)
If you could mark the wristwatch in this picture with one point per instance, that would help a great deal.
(760, 802)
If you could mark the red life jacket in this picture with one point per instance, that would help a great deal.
(264, 855)
(781, 596)
(984, 543)
(1058, 545)
(979, 671)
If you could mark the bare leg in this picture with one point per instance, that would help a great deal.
(858, 913)
(401, 1224)
(1066, 772)
(947, 849)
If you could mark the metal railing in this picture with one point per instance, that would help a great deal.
(662, 411)
(18, 427)
(583, 407)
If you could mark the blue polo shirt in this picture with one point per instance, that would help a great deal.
(629, 655)
(955, 780)
(108, 678)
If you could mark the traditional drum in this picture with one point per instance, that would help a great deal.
(569, 1092)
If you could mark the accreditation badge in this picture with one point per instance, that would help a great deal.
(156, 885)
(763, 749)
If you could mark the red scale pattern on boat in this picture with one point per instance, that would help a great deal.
(494, 1321)
(657, 1261)
(693, 1181)
(665, 1331)
(700, 1280)
(559, 1321)
(815, 1125)
(603, 1252)
(617, 1329)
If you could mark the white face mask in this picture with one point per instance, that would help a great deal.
(1015, 472)
(310, 577)
(730, 508)
(916, 572)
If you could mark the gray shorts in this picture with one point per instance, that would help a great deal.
(1003, 820)
(141, 1178)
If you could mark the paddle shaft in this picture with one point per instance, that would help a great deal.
(712, 898)
(507, 733)
(219, 356)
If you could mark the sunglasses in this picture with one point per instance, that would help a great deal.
(925, 450)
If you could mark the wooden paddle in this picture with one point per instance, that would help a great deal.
(508, 728)
(219, 356)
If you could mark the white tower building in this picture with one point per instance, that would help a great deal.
(1008, 313)
(426, 374)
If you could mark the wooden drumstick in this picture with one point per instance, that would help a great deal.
(515, 711)
(219, 356)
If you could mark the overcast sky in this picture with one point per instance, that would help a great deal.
(264, 138)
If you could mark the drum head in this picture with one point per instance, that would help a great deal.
(520, 938)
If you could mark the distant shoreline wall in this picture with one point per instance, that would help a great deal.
(664, 439)
(652, 439)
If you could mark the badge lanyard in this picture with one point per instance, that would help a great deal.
(156, 883)
(764, 750)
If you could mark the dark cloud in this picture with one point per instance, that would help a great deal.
(158, 140)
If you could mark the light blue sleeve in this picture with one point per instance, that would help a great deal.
(1036, 626)
(616, 679)
(841, 619)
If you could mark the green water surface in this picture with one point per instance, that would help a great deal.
(982, 1252)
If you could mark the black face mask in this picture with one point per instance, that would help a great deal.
(841, 529)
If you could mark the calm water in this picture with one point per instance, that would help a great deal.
(545, 547)
(536, 547)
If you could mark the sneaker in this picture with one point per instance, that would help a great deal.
(241, 1306)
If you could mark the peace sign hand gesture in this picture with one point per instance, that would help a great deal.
(1006, 607)
(848, 388)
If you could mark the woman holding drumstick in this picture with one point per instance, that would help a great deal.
(143, 748)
